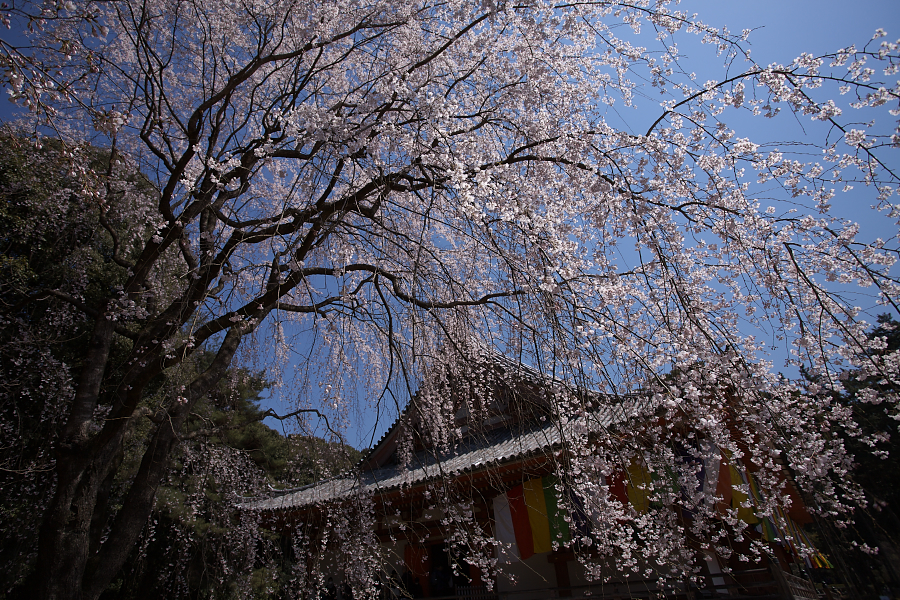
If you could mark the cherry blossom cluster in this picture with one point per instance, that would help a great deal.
(360, 195)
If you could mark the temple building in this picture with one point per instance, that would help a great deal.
(501, 492)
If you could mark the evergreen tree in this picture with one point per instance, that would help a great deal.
(56, 253)
(870, 546)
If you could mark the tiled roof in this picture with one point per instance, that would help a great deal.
(513, 370)
(472, 454)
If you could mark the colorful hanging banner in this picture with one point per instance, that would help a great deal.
(536, 519)
(521, 526)
(504, 531)
(639, 483)
(559, 527)
(617, 487)
(798, 542)
(529, 519)
(537, 515)
(780, 528)
(739, 499)
(723, 484)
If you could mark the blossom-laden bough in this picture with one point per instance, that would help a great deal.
(355, 189)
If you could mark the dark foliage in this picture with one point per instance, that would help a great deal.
(868, 550)
(52, 243)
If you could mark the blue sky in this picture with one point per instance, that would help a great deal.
(782, 30)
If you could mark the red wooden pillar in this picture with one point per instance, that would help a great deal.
(418, 561)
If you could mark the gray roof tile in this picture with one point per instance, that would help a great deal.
(471, 454)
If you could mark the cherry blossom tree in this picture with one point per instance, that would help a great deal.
(354, 190)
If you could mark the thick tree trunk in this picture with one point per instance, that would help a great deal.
(135, 511)
(64, 537)
(63, 540)
(68, 568)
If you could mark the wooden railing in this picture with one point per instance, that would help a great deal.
(758, 584)
(799, 588)
(475, 592)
